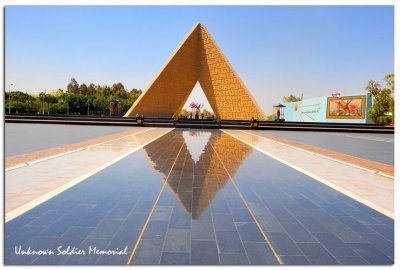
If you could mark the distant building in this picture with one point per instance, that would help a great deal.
(334, 108)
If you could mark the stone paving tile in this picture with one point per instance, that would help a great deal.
(298, 233)
(16, 224)
(218, 204)
(180, 219)
(383, 230)
(385, 220)
(177, 240)
(149, 252)
(134, 221)
(229, 242)
(295, 260)
(259, 253)
(61, 225)
(170, 258)
(49, 216)
(380, 243)
(156, 230)
(162, 213)
(233, 258)
(266, 219)
(249, 232)
(223, 222)
(312, 225)
(74, 236)
(204, 252)
(371, 254)
(241, 215)
(107, 228)
(120, 241)
(316, 254)
(334, 245)
(355, 225)
(21, 237)
(234, 201)
(202, 229)
(296, 210)
(283, 244)
(352, 260)
(91, 219)
(123, 207)
(360, 216)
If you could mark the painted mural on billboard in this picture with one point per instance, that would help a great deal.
(346, 107)
(307, 111)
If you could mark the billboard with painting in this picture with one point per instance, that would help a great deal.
(347, 107)
(344, 109)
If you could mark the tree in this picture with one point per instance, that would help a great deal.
(135, 93)
(83, 89)
(389, 80)
(207, 114)
(77, 99)
(91, 89)
(106, 90)
(292, 98)
(383, 100)
(118, 89)
(57, 93)
(42, 98)
(373, 87)
(184, 113)
(73, 87)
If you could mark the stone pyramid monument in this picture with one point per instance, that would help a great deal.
(197, 58)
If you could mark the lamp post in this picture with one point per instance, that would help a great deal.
(9, 98)
(88, 106)
(43, 103)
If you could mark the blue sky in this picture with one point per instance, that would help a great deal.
(276, 50)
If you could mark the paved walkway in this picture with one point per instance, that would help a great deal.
(37, 181)
(370, 146)
(25, 159)
(198, 197)
(379, 167)
(367, 187)
(24, 138)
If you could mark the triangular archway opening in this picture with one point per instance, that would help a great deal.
(197, 59)
(197, 96)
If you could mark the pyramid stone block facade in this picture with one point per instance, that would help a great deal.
(198, 58)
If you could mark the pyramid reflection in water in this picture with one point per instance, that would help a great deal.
(198, 165)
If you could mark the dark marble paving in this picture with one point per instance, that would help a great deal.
(200, 217)
(308, 222)
(106, 211)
